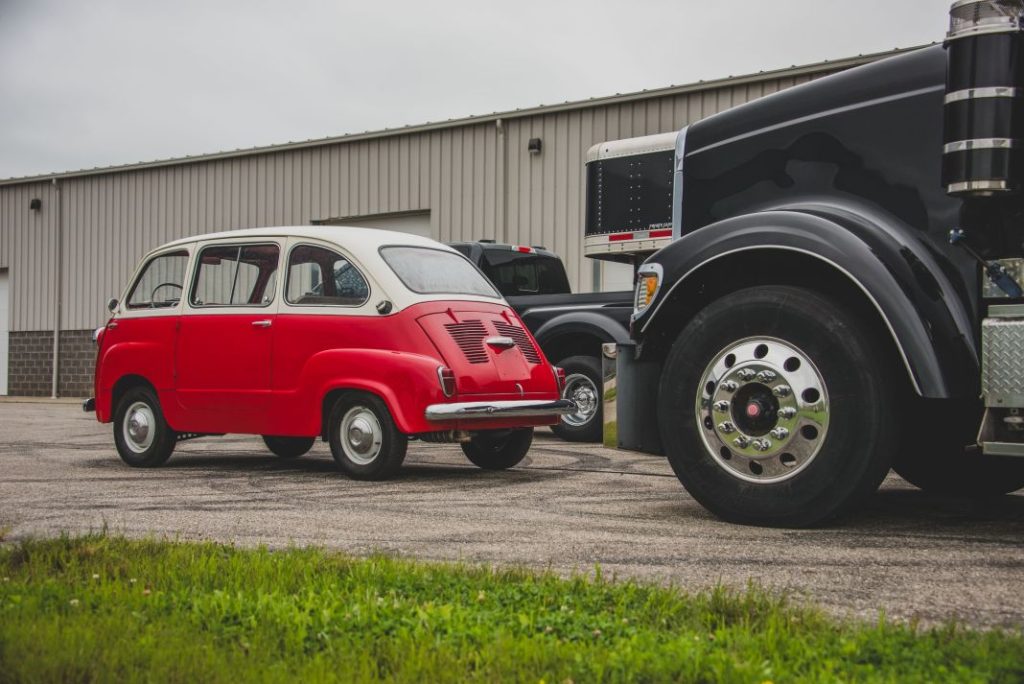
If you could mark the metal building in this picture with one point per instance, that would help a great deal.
(68, 241)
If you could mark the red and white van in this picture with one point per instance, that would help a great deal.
(365, 338)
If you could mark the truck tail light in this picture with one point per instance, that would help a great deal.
(446, 376)
(559, 378)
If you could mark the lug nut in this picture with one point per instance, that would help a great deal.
(761, 444)
(742, 441)
(745, 375)
(786, 413)
(779, 433)
(782, 391)
(766, 376)
(729, 386)
(726, 427)
(721, 406)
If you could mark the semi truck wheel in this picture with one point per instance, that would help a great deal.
(940, 457)
(583, 384)
(498, 449)
(776, 407)
(364, 440)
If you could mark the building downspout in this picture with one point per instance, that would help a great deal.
(59, 277)
(503, 170)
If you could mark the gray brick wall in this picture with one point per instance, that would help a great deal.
(30, 363)
(77, 362)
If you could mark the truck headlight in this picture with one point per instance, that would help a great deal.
(648, 282)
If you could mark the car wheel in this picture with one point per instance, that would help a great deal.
(938, 453)
(142, 436)
(498, 449)
(776, 408)
(583, 384)
(364, 440)
(288, 447)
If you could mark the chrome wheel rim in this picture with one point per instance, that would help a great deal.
(361, 435)
(762, 409)
(139, 427)
(581, 390)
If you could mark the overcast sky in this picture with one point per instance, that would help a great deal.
(85, 84)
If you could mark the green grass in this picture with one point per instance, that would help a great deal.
(105, 609)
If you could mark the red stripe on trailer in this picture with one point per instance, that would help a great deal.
(661, 233)
(618, 237)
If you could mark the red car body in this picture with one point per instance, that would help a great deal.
(269, 364)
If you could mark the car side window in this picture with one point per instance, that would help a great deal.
(161, 282)
(321, 277)
(235, 275)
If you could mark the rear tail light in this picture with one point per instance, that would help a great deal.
(446, 376)
(559, 378)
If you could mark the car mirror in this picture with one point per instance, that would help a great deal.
(112, 305)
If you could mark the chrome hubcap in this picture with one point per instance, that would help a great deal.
(762, 409)
(139, 427)
(582, 391)
(361, 435)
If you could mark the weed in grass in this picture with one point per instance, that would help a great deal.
(99, 608)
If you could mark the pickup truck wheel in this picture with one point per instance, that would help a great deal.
(775, 408)
(938, 453)
(498, 449)
(142, 436)
(583, 384)
(364, 440)
(288, 447)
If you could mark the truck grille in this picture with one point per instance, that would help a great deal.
(522, 340)
(469, 335)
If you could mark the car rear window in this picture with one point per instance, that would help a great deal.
(433, 271)
(525, 274)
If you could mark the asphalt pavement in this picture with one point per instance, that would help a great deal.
(568, 507)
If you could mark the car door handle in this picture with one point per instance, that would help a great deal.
(261, 324)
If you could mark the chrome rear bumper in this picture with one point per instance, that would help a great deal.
(469, 410)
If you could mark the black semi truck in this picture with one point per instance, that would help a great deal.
(829, 282)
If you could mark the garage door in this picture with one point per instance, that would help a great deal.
(5, 327)
(416, 223)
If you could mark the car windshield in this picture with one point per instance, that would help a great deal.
(433, 271)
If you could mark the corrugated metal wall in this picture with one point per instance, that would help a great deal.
(468, 176)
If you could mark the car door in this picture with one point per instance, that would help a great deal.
(325, 306)
(223, 352)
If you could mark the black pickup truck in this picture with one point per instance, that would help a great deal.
(570, 328)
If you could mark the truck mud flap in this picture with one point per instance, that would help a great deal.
(630, 400)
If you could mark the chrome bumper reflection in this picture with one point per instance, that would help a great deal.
(499, 409)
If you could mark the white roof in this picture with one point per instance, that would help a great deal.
(359, 241)
(363, 244)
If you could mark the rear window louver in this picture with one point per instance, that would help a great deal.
(469, 335)
(522, 340)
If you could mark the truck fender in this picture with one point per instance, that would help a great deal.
(927, 318)
(581, 323)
